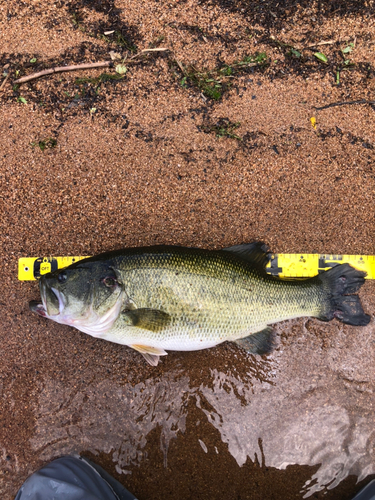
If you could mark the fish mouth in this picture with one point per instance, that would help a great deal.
(53, 295)
(38, 308)
(53, 301)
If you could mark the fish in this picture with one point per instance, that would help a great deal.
(169, 298)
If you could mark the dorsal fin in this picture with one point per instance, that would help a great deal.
(256, 253)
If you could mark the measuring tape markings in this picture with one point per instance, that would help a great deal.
(31, 268)
(307, 265)
(282, 265)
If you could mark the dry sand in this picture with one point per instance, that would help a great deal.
(149, 159)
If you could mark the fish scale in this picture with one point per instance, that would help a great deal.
(209, 297)
(175, 298)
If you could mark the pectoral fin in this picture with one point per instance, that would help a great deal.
(151, 354)
(148, 319)
(262, 342)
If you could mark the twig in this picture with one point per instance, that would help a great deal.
(180, 65)
(329, 42)
(4, 82)
(282, 44)
(362, 101)
(144, 51)
(299, 47)
(62, 69)
(248, 65)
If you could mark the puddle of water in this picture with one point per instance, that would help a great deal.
(316, 410)
(278, 431)
(110, 418)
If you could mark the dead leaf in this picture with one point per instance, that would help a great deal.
(115, 55)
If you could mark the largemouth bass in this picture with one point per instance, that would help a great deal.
(182, 299)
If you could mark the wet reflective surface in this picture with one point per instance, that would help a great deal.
(108, 417)
(310, 404)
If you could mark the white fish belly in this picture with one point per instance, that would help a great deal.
(174, 339)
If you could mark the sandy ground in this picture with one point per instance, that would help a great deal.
(152, 158)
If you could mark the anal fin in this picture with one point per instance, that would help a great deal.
(151, 358)
(262, 342)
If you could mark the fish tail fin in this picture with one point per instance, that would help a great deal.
(339, 283)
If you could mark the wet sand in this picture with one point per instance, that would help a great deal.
(149, 159)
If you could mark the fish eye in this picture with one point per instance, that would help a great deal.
(62, 277)
(109, 281)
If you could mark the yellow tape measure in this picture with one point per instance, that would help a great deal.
(294, 265)
(291, 265)
(31, 268)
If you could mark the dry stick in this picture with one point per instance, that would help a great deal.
(328, 42)
(179, 64)
(144, 51)
(4, 82)
(362, 101)
(61, 69)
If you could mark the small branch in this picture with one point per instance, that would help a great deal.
(4, 82)
(180, 65)
(300, 47)
(328, 42)
(144, 51)
(62, 69)
(282, 44)
(362, 101)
